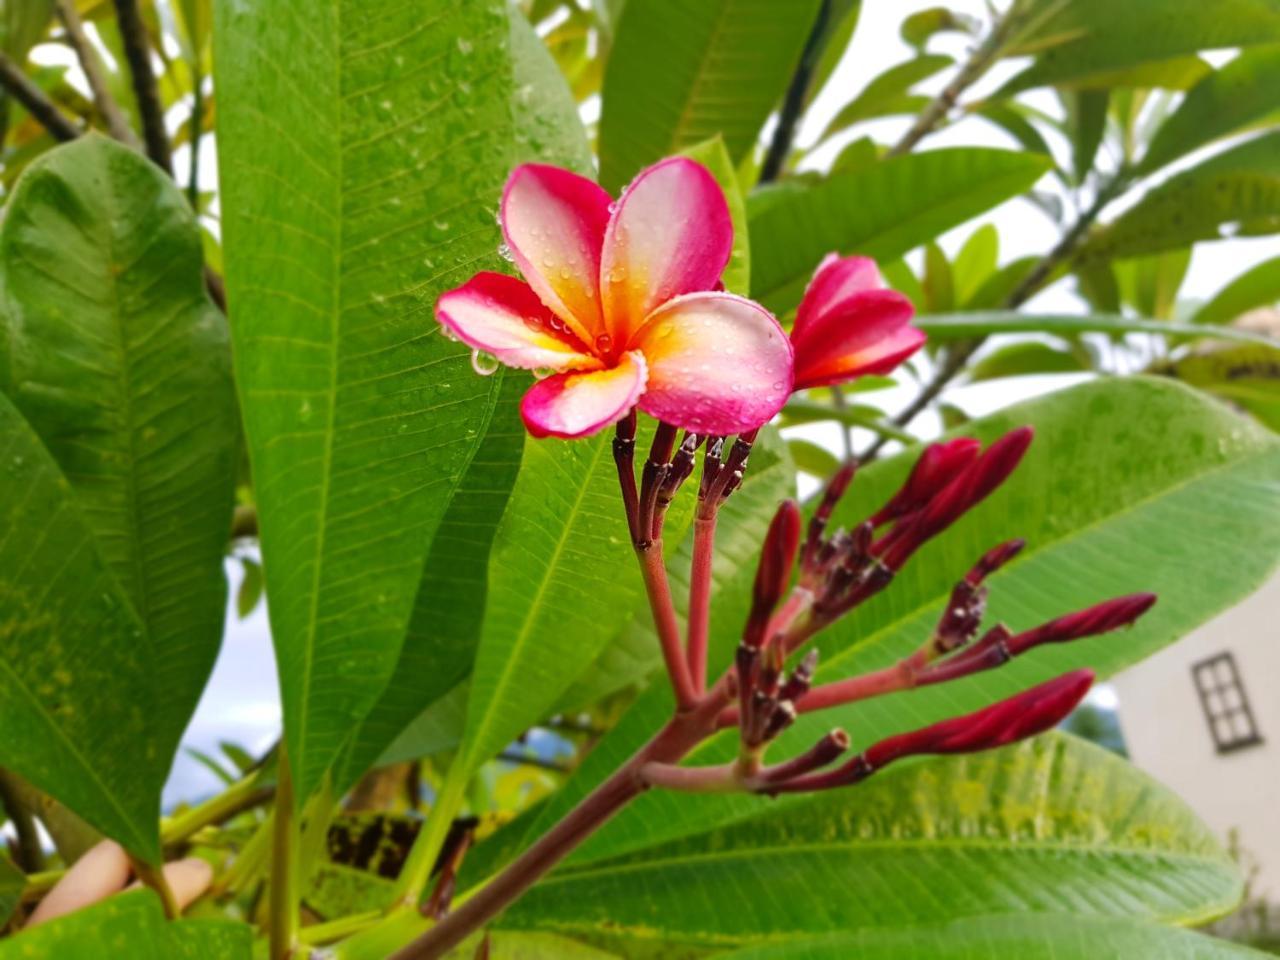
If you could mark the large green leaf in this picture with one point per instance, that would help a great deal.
(444, 627)
(78, 702)
(1256, 287)
(983, 323)
(1053, 825)
(359, 181)
(122, 365)
(22, 23)
(680, 73)
(1085, 42)
(1228, 99)
(882, 212)
(562, 583)
(1007, 937)
(888, 93)
(1240, 186)
(130, 925)
(1133, 484)
(1247, 376)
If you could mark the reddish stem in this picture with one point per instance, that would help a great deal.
(667, 623)
(704, 541)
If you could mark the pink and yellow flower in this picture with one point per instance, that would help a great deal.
(621, 304)
(849, 324)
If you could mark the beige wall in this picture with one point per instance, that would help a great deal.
(1168, 736)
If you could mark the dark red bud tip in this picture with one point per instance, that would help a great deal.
(936, 467)
(1102, 618)
(1017, 718)
(994, 559)
(774, 572)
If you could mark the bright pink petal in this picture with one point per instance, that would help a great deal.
(836, 280)
(669, 235)
(579, 404)
(503, 316)
(554, 222)
(718, 364)
(868, 334)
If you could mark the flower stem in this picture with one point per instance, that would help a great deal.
(240, 796)
(284, 893)
(667, 623)
(704, 541)
(153, 877)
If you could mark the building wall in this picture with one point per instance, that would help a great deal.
(1168, 736)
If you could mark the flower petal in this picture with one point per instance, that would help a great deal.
(503, 316)
(869, 333)
(579, 404)
(836, 280)
(554, 222)
(669, 235)
(718, 364)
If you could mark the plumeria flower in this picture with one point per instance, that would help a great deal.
(849, 324)
(621, 306)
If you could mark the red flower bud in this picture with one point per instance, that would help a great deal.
(836, 488)
(1017, 718)
(937, 466)
(774, 572)
(1101, 618)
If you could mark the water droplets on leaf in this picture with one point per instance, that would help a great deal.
(483, 363)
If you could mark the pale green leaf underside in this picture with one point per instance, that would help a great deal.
(123, 366)
(359, 182)
(1053, 825)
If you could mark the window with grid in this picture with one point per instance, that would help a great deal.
(1226, 708)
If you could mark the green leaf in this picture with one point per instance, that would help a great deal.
(920, 26)
(963, 326)
(713, 155)
(1247, 376)
(130, 925)
(1237, 186)
(815, 460)
(12, 883)
(1029, 357)
(976, 261)
(440, 646)
(1257, 287)
(939, 290)
(1012, 117)
(78, 701)
(1024, 937)
(1078, 43)
(119, 361)
(1086, 123)
(1130, 484)
(1150, 284)
(444, 628)
(887, 93)
(562, 583)
(1053, 825)
(680, 73)
(345, 214)
(1228, 99)
(250, 591)
(881, 212)
(22, 24)
(842, 21)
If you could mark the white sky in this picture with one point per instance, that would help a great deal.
(241, 703)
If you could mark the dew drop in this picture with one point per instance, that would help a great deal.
(604, 343)
(483, 363)
(504, 251)
(542, 372)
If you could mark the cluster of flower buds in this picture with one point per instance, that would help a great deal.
(836, 573)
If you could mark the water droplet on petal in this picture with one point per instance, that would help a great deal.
(604, 343)
(483, 363)
(542, 372)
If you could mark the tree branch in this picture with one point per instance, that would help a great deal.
(37, 103)
(793, 102)
(108, 109)
(137, 50)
